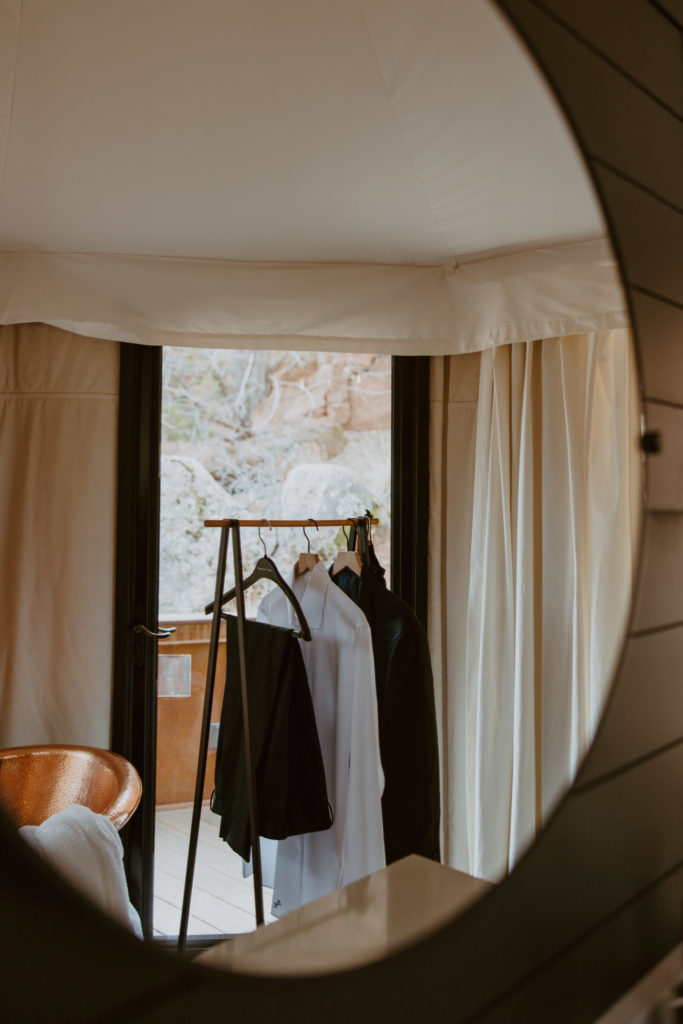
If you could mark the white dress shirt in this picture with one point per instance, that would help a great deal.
(341, 676)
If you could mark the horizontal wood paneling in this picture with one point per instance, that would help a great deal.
(565, 991)
(659, 331)
(643, 713)
(664, 483)
(582, 846)
(607, 126)
(648, 236)
(642, 46)
(672, 8)
(659, 597)
(587, 864)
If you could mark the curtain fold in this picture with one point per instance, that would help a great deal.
(542, 582)
(58, 438)
(453, 419)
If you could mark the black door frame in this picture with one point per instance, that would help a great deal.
(136, 603)
(410, 481)
(137, 565)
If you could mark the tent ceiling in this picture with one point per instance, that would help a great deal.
(392, 131)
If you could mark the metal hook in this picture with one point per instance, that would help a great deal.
(308, 539)
(265, 549)
(368, 513)
(345, 533)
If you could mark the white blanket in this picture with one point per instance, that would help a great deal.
(86, 849)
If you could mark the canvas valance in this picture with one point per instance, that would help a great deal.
(404, 309)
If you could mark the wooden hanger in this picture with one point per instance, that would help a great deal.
(347, 560)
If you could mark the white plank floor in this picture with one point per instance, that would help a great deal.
(222, 900)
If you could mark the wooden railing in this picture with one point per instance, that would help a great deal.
(179, 718)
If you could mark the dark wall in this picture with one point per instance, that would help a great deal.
(597, 900)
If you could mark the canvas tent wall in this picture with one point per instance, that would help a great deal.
(378, 177)
(393, 176)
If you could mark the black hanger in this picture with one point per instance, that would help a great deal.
(359, 531)
(266, 569)
(364, 530)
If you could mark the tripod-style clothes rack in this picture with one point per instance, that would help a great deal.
(232, 527)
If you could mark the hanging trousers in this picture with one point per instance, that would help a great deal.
(291, 793)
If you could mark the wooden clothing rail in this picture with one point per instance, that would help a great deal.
(291, 522)
(232, 527)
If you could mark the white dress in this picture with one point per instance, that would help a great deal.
(341, 676)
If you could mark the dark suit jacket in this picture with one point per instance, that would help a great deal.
(407, 717)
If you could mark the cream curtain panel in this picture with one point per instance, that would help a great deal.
(534, 581)
(58, 434)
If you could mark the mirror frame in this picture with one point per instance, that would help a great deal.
(596, 901)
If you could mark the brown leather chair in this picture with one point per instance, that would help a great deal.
(36, 782)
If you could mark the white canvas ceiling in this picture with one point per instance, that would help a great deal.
(155, 155)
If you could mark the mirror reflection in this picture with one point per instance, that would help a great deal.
(446, 215)
(532, 539)
(541, 499)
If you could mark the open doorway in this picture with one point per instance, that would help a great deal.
(135, 693)
(253, 434)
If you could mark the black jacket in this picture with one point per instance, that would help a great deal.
(407, 717)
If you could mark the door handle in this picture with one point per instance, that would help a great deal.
(155, 636)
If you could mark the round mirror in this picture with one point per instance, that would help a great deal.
(475, 929)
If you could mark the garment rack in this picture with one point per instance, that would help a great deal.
(232, 527)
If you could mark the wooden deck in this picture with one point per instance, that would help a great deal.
(222, 900)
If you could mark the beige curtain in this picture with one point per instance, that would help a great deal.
(58, 430)
(454, 389)
(534, 566)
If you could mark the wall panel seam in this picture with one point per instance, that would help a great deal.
(580, 38)
(653, 630)
(545, 965)
(663, 401)
(667, 15)
(601, 162)
(651, 293)
(580, 789)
